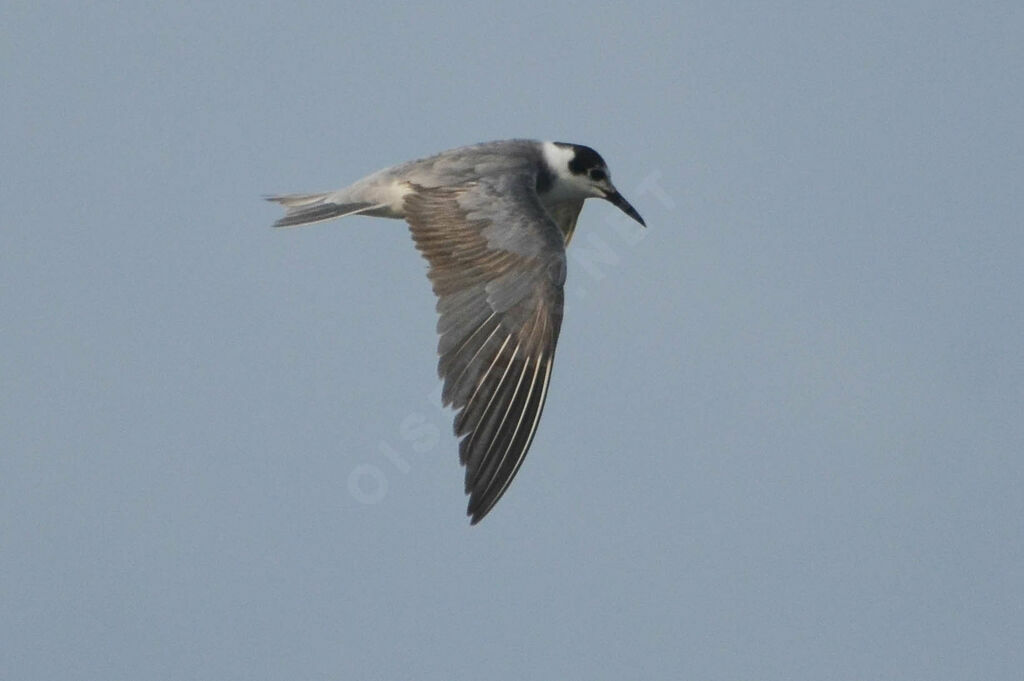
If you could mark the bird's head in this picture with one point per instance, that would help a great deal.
(580, 172)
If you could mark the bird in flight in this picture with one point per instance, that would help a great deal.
(493, 221)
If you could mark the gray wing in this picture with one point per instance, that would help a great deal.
(497, 264)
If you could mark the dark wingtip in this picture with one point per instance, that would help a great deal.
(475, 513)
(478, 509)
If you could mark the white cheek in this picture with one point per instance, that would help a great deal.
(582, 186)
(595, 190)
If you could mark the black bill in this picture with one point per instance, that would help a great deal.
(624, 205)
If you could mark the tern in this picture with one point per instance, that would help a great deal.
(493, 221)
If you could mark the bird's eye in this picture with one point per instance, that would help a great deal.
(597, 174)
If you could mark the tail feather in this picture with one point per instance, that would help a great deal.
(304, 209)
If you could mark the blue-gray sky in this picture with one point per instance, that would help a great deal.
(784, 432)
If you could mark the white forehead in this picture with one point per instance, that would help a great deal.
(556, 156)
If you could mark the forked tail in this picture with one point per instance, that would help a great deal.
(304, 209)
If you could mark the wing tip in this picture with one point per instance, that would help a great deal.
(479, 513)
